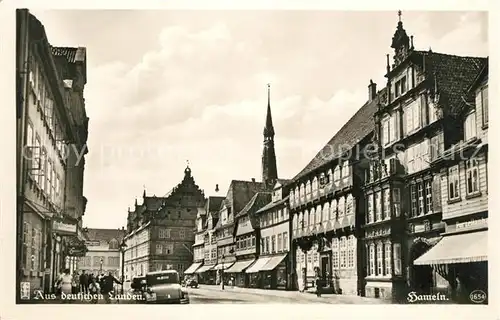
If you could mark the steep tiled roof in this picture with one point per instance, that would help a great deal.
(454, 75)
(105, 234)
(272, 205)
(357, 128)
(258, 201)
(243, 191)
(284, 182)
(153, 203)
(71, 54)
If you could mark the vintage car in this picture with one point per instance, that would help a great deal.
(164, 287)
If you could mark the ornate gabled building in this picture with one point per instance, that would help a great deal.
(461, 256)
(414, 125)
(160, 231)
(275, 264)
(237, 197)
(327, 209)
(205, 273)
(247, 238)
(201, 232)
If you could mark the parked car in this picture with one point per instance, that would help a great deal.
(137, 284)
(192, 283)
(164, 287)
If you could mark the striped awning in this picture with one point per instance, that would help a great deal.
(459, 248)
(192, 268)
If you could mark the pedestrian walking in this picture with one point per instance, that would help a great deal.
(317, 282)
(84, 282)
(75, 282)
(64, 283)
(107, 286)
(94, 289)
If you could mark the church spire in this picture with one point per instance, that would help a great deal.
(269, 170)
(269, 129)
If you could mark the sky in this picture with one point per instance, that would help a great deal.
(167, 87)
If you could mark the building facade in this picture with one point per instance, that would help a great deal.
(104, 254)
(247, 239)
(51, 137)
(461, 256)
(415, 123)
(275, 234)
(160, 231)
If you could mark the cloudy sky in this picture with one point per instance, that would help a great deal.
(169, 86)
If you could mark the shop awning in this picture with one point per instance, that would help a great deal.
(459, 248)
(193, 268)
(224, 266)
(273, 262)
(239, 266)
(203, 269)
(258, 264)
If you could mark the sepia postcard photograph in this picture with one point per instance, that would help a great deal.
(251, 157)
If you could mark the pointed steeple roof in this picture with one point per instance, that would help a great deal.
(269, 128)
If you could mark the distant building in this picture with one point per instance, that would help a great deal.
(160, 230)
(103, 255)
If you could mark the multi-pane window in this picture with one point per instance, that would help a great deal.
(388, 256)
(351, 249)
(371, 259)
(273, 244)
(349, 205)
(378, 206)
(159, 249)
(472, 175)
(262, 245)
(385, 132)
(380, 257)
(335, 253)
(182, 234)
(387, 203)
(336, 173)
(428, 196)
(370, 208)
(343, 252)
(413, 200)
(413, 116)
(453, 183)
(49, 178)
(38, 159)
(396, 201)
(420, 194)
(470, 127)
(268, 247)
(397, 259)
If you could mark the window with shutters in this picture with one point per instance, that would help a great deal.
(484, 106)
(472, 175)
(453, 183)
(470, 127)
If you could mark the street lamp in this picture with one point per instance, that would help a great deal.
(123, 247)
(100, 269)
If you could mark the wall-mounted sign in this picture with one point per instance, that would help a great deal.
(92, 243)
(64, 227)
(468, 225)
(79, 251)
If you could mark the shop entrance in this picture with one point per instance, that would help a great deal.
(326, 270)
(422, 276)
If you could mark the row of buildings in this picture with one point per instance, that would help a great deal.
(396, 201)
(52, 130)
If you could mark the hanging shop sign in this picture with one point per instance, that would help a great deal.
(65, 228)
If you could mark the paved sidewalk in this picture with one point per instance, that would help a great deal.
(303, 296)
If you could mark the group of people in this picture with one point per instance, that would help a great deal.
(77, 282)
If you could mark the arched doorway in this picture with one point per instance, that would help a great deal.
(421, 276)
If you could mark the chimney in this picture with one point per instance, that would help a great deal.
(372, 91)
(253, 179)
